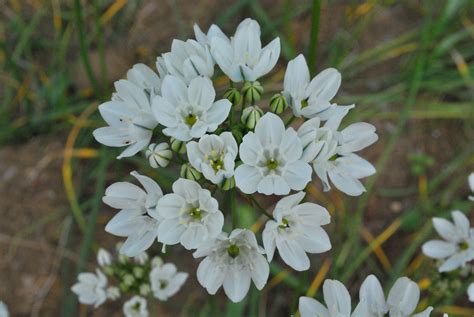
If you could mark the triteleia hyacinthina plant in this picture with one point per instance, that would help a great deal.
(237, 143)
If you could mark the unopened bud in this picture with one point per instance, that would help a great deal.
(233, 95)
(252, 91)
(156, 261)
(227, 183)
(278, 103)
(159, 154)
(103, 257)
(178, 146)
(145, 289)
(189, 172)
(250, 116)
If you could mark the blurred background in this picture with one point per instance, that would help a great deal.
(408, 66)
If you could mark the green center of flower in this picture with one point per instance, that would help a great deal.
(463, 246)
(304, 103)
(284, 224)
(163, 284)
(195, 213)
(272, 164)
(233, 251)
(334, 157)
(136, 306)
(191, 119)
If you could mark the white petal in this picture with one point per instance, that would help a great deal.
(273, 184)
(136, 244)
(193, 236)
(187, 189)
(236, 283)
(210, 276)
(371, 293)
(293, 254)
(164, 111)
(268, 237)
(324, 86)
(438, 249)
(461, 222)
(218, 113)
(297, 175)
(170, 205)
(403, 297)
(337, 298)
(201, 92)
(170, 231)
(268, 59)
(260, 271)
(270, 129)
(310, 307)
(247, 178)
(445, 229)
(296, 77)
(250, 149)
(174, 90)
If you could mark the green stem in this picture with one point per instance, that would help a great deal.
(290, 121)
(83, 46)
(313, 43)
(259, 207)
(233, 208)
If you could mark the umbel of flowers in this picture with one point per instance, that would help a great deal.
(239, 141)
(121, 277)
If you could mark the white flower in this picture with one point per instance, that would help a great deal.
(458, 246)
(213, 156)
(471, 186)
(401, 302)
(271, 159)
(188, 60)
(90, 288)
(103, 257)
(134, 220)
(242, 56)
(310, 98)
(403, 299)
(205, 39)
(166, 281)
(129, 117)
(190, 215)
(336, 297)
(232, 261)
(4, 310)
(189, 112)
(295, 231)
(470, 292)
(145, 78)
(135, 307)
(331, 152)
(159, 154)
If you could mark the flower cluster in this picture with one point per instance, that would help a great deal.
(139, 278)
(456, 249)
(230, 142)
(4, 310)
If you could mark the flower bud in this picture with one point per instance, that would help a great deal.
(189, 172)
(250, 116)
(128, 279)
(252, 91)
(156, 261)
(138, 272)
(145, 289)
(113, 293)
(103, 257)
(178, 146)
(278, 103)
(233, 95)
(159, 154)
(227, 183)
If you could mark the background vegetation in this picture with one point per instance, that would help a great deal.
(408, 66)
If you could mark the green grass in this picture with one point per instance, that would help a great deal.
(425, 84)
